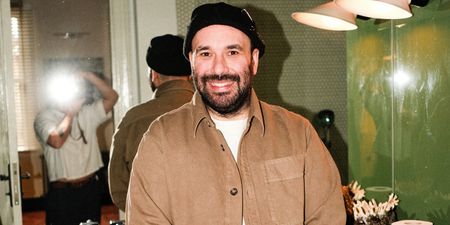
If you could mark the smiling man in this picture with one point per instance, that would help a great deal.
(224, 68)
(227, 157)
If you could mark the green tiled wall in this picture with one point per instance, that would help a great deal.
(399, 110)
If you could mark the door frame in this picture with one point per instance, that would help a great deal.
(124, 67)
(9, 107)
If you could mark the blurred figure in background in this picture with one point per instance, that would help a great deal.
(67, 131)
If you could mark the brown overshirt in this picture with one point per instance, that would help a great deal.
(185, 174)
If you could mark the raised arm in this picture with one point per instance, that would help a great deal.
(58, 136)
(108, 94)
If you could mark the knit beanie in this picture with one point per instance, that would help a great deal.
(165, 56)
(222, 14)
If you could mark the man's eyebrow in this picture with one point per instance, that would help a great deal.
(201, 48)
(233, 46)
(236, 46)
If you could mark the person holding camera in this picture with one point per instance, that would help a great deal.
(67, 132)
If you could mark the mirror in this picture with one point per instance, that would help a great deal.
(47, 34)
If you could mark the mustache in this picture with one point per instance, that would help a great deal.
(230, 77)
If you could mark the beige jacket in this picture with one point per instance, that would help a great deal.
(170, 95)
(185, 174)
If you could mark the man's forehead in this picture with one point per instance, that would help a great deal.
(223, 34)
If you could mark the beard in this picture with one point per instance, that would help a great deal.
(230, 102)
(152, 86)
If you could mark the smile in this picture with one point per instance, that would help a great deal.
(221, 85)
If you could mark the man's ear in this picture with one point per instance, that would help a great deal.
(152, 75)
(255, 60)
(191, 57)
(156, 78)
(191, 60)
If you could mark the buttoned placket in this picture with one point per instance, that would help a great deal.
(233, 184)
(251, 214)
(243, 166)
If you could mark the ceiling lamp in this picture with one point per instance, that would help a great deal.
(328, 16)
(380, 9)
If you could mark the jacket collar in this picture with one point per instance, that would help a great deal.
(172, 85)
(200, 113)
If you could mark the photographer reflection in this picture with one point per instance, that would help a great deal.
(66, 129)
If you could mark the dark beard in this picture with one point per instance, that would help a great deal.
(230, 106)
(152, 86)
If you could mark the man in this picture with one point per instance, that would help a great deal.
(226, 157)
(68, 135)
(170, 77)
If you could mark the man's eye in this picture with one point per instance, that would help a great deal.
(205, 54)
(234, 52)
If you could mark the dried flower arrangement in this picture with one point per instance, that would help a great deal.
(361, 211)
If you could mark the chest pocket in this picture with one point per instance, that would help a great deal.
(285, 189)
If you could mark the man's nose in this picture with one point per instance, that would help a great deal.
(220, 65)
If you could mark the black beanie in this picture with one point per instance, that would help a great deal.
(165, 56)
(223, 14)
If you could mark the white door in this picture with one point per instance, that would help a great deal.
(10, 199)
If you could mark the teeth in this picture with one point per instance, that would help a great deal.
(221, 84)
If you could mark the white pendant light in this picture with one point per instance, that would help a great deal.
(328, 16)
(380, 9)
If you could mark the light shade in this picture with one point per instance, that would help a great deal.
(380, 9)
(328, 16)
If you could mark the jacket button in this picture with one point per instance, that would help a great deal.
(234, 191)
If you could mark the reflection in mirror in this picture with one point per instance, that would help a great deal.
(49, 35)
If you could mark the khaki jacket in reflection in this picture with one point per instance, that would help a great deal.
(170, 95)
(185, 174)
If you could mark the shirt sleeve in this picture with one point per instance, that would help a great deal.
(123, 150)
(44, 123)
(94, 113)
(323, 189)
(119, 174)
(147, 200)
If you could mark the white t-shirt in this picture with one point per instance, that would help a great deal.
(232, 130)
(74, 159)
